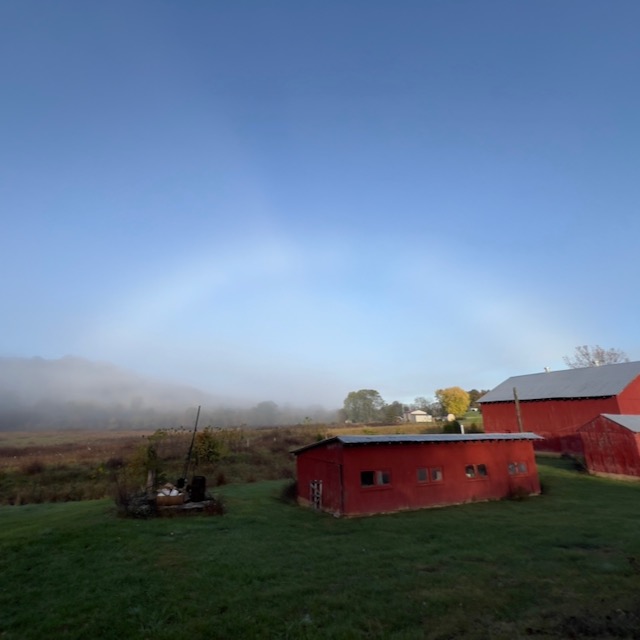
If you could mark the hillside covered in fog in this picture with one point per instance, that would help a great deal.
(72, 392)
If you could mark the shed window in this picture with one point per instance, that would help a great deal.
(367, 478)
(476, 471)
(429, 474)
(517, 468)
(374, 478)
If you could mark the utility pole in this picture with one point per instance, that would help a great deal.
(518, 414)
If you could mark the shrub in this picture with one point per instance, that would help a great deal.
(208, 447)
(451, 427)
(114, 463)
(33, 468)
(474, 428)
(215, 507)
(289, 493)
(286, 473)
(133, 503)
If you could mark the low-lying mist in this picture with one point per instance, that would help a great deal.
(74, 393)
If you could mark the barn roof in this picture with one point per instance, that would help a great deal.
(419, 438)
(589, 382)
(628, 422)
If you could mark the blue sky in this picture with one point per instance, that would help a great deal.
(289, 201)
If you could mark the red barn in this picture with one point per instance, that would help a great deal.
(612, 445)
(361, 475)
(556, 404)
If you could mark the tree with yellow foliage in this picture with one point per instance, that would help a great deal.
(453, 400)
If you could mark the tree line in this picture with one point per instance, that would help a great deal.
(367, 406)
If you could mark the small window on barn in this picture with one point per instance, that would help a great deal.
(436, 474)
(423, 475)
(482, 470)
(367, 478)
(522, 467)
(470, 471)
(513, 469)
(383, 477)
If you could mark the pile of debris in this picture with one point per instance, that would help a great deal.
(170, 495)
(170, 499)
(187, 496)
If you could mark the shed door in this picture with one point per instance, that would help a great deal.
(325, 487)
(315, 494)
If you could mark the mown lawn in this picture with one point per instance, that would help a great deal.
(563, 565)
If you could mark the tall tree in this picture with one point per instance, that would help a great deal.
(363, 406)
(424, 404)
(474, 395)
(393, 413)
(264, 414)
(454, 400)
(586, 356)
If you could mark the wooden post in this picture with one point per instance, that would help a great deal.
(518, 414)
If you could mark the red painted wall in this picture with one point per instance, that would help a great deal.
(557, 421)
(401, 462)
(321, 463)
(610, 448)
(629, 399)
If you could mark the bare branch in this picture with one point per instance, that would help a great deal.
(586, 356)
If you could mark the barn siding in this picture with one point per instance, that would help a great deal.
(629, 399)
(610, 448)
(325, 464)
(557, 421)
(402, 461)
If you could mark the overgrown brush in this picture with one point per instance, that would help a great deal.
(81, 465)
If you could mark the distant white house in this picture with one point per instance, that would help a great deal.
(420, 416)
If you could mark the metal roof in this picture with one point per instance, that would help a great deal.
(420, 439)
(628, 422)
(589, 382)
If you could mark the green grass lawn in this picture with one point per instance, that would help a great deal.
(562, 565)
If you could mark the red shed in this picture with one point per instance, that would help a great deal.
(612, 445)
(556, 404)
(361, 475)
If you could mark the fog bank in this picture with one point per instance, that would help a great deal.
(75, 393)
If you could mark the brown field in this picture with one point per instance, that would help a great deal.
(60, 466)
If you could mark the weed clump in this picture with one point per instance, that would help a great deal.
(519, 494)
(135, 504)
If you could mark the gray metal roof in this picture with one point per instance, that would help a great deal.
(628, 422)
(590, 382)
(420, 438)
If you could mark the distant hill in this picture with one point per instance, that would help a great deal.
(75, 392)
